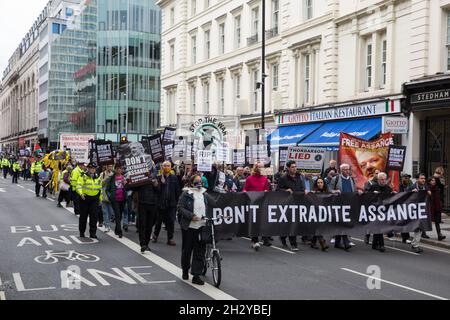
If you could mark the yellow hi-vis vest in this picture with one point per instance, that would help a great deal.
(16, 167)
(36, 167)
(88, 186)
(74, 176)
(5, 163)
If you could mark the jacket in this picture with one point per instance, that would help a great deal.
(295, 184)
(185, 209)
(36, 167)
(336, 183)
(105, 179)
(74, 176)
(89, 186)
(5, 163)
(16, 167)
(435, 202)
(44, 176)
(169, 197)
(378, 188)
(148, 194)
(110, 189)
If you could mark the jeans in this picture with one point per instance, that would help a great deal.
(119, 210)
(108, 212)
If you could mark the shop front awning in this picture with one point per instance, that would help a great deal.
(291, 135)
(329, 134)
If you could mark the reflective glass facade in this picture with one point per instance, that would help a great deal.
(128, 68)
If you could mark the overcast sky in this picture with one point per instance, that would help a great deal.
(16, 19)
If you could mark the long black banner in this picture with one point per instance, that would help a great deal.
(281, 213)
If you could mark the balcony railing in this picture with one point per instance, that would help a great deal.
(252, 40)
(272, 33)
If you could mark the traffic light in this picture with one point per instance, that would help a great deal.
(123, 139)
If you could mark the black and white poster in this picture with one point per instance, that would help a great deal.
(282, 213)
(156, 148)
(169, 135)
(283, 157)
(104, 153)
(396, 158)
(238, 158)
(168, 151)
(204, 160)
(137, 163)
(180, 150)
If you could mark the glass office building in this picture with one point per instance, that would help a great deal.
(128, 69)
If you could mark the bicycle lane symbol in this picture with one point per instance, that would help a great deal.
(52, 257)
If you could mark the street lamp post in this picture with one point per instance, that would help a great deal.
(263, 67)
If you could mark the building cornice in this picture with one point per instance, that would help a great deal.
(206, 25)
(252, 3)
(274, 56)
(220, 73)
(237, 10)
(253, 63)
(171, 87)
(192, 80)
(221, 18)
(305, 43)
(236, 68)
(205, 77)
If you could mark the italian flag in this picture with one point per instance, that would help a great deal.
(390, 106)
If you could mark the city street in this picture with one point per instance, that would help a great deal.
(114, 269)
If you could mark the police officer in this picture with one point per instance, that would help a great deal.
(36, 167)
(74, 176)
(89, 188)
(16, 171)
(5, 166)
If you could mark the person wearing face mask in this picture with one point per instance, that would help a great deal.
(169, 193)
(191, 213)
(89, 188)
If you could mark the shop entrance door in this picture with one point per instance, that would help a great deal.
(438, 150)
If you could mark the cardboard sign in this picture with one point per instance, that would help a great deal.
(238, 158)
(223, 153)
(156, 148)
(137, 163)
(308, 160)
(204, 160)
(78, 145)
(396, 158)
(104, 151)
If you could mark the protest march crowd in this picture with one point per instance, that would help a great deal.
(177, 192)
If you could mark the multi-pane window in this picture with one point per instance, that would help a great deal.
(194, 49)
(307, 79)
(275, 76)
(255, 21)
(172, 57)
(308, 9)
(275, 13)
(383, 63)
(172, 16)
(237, 32)
(206, 4)
(255, 77)
(221, 95)
(193, 7)
(222, 38)
(237, 90)
(448, 41)
(193, 99)
(369, 58)
(206, 107)
(207, 44)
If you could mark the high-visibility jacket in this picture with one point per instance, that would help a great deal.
(6, 163)
(74, 176)
(36, 167)
(61, 178)
(88, 186)
(16, 167)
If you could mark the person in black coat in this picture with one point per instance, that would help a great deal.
(380, 186)
(191, 213)
(167, 205)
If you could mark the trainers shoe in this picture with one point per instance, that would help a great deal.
(171, 243)
(332, 241)
(198, 281)
(294, 248)
(256, 246)
(351, 244)
(185, 275)
(417, 249)
(143, 249)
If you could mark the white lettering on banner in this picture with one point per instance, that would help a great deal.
(399, 212)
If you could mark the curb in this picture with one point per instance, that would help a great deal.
(435, 243)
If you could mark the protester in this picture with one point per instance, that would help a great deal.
(115, 190)
(44, 180)
(257, 183)
(239, 179)
(329, 177)
(36, 167)
(344, 183)
(167, 205)
(404, 186)
(191, 211)
(64, 187)
(108, 211)
(5, 166)
(436, 205)
(291, 182)
(74, 176)
(332, 167)
(319, 187)
(419, 185)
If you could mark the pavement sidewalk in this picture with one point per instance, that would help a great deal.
(445, 230)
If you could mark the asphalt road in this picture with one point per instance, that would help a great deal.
(30, 226)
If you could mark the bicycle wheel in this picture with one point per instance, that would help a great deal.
(216, 269)
(46, 260)
(87, 257)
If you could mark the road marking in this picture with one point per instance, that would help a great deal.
(50, 200)
(395, 284)
(207, 289)
(31, 191)
(2, 190)
(21, 186)
(272, 246)
(393, 248)
(427, 246)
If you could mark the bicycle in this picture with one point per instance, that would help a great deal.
(212, 256)
(51, 257)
